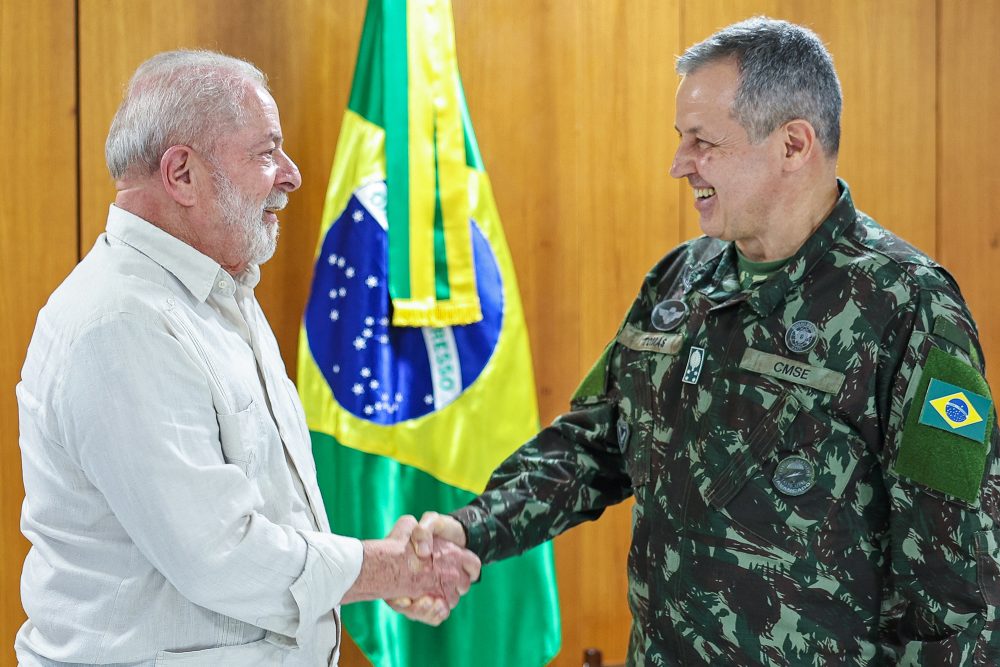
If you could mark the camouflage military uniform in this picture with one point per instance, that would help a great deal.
(727, 566)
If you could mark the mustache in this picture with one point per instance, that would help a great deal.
(276, 201)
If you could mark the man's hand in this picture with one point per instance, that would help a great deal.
(392, 569)
(433, 532)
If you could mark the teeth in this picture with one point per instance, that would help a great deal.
(702, 193)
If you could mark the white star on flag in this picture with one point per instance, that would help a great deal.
(360, 343)
(358, 389)
(358, 216)
(372, 282)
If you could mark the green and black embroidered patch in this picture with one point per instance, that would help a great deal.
(594, 385)
(946, 438)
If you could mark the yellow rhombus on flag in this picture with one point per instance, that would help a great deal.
(414, 366)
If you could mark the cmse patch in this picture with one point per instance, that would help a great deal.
(946, 436)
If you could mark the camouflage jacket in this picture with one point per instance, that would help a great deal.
(802, 497)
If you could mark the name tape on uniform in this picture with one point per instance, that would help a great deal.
(645, 341)
(782, 368)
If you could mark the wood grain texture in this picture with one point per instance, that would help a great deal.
(573, 110)
(38, 231)
(596, 89)
(968, 181)
(572, 101)
(884, 54)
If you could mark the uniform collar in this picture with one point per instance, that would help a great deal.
(718, 277)
(199, 273)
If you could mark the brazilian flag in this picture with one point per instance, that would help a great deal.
(414, 367)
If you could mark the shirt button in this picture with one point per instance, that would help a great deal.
(222, 284)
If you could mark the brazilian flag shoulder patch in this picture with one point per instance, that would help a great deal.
(946, 438)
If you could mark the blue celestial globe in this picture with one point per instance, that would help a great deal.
(957, 410)
(378, 372)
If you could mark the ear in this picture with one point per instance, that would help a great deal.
(799, 143)
(178, 168)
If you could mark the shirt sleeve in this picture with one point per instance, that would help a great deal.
(136, 414)
(940, 451)
(567, 474)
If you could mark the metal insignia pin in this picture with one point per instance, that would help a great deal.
(794, 476)
(801, 336)
(696, 359)
(623, 433)
(667, 315)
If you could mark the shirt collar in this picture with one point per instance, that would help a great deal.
(718, 276)
(199, 273)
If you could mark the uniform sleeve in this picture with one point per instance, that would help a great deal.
(940, 454)
(137, 416)
(567, 474)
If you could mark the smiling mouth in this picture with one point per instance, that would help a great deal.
(704, 193)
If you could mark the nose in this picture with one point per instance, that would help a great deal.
(289, 177)
(682, 165)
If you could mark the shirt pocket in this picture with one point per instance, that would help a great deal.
(239, 435)
(260, 652)
(639, 375)
(785, 512)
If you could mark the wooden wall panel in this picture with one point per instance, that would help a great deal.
(968, 180)
(38, 231)
(884, 54)
(573, 102)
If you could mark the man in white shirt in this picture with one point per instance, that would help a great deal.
(171, 497)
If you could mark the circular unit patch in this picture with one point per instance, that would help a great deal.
(794, 476)
(801, 336)
(668, 315)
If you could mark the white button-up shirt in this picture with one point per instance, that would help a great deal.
(171, 495)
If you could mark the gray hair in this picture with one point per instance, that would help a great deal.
(785, 73)
(177, 97)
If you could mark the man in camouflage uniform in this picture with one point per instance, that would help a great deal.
(795, 400)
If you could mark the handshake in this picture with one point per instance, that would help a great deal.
(420, 569)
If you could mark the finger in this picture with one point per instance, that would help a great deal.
(403, 528)
(422, 540)
(441, 612)
(472, 565)
(400, 603)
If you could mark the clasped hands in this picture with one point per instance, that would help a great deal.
(436, 543)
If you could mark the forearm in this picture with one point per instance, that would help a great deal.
(566, 475)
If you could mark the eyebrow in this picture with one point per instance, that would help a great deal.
(272, 138)
(694, 130)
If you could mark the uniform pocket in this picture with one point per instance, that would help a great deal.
(988, 565)
(636, 389)
(238, 434)
(782, 487)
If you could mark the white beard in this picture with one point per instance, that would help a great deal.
(258, 240)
